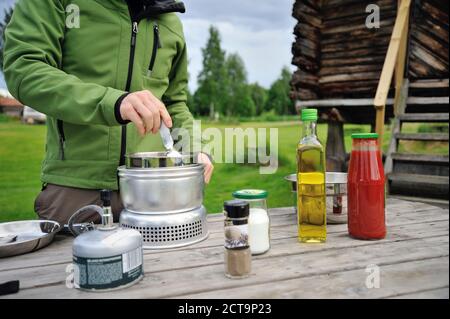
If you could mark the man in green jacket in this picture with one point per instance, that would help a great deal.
(94, 67)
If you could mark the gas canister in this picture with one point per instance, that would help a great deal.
(108, 257)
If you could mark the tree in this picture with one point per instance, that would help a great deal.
(278, 96)
(239, 95)
(3, 24)
(211, 94)
(259, 97)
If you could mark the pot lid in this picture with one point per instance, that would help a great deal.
(158, 159)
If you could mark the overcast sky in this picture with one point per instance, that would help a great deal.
(259, 30)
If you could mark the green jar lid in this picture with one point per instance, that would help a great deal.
(250, 194)
(309, 115)
(364, 135)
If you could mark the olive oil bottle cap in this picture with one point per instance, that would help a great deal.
(309, 115)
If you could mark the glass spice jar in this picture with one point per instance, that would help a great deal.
(238, 256)
(259, 221)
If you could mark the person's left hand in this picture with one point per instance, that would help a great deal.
(209, 167)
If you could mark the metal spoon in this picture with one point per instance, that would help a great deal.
(166, 137)
(168, 144)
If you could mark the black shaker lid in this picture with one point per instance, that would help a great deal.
(236, 208)
(105, 197)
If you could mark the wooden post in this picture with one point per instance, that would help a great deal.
(396, 55)
(400, 66)
(381, 113)
(335, 148)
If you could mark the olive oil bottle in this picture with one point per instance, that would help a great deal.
(311, 195)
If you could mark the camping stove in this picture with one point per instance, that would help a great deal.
(163, 198)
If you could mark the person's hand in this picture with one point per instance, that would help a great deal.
(145, 111)
(209, 167)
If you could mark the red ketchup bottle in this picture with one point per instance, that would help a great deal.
(366, 189)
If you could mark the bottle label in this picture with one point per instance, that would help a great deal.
(108, 272)
(236, 236)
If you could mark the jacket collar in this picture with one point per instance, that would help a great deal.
(141, 9)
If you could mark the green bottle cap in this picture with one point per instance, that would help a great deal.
(309, 115)
(364, 135)
(250, 194)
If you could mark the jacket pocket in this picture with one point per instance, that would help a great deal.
(156, 46)
(83, 142)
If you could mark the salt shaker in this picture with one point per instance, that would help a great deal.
(238, 256)
(258, 222)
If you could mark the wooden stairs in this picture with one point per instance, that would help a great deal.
(423, 175)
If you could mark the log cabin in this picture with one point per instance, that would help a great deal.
(376, 62)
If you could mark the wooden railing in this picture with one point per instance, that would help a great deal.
(395, 62)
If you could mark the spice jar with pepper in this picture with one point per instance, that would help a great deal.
(238, 256)
(258, 222)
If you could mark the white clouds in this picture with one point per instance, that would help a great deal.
(260, 31)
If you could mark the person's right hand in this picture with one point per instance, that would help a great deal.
(145, 111)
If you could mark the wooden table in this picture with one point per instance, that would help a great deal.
(413, 262)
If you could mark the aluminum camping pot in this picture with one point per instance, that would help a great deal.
(161, 189)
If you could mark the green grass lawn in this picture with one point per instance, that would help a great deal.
(22, 150)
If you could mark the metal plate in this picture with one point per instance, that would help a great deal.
(158, 159)
(26, 236)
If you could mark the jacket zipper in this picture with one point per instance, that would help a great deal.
(123, 143)
(62, 139)
(156, 45)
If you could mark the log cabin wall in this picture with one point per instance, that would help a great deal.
(306, 50)
(428, 55)
(336, 54)
(352, 55)
(339, 57)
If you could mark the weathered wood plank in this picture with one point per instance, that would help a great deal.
(440, 293)
(356, 53)
(169, 260)
(428, 100)
(422, 136)
(424, 117)
(346, 77)
(60, 250)
(430, 84)
(351, 69)
(210, 278)
(357, 35)
(341, 10)
(435, 66)
(399, 279)
(361, 27)
(420, 158)
(371, 60)
(340, 102)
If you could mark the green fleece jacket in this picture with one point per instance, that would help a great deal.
(76, 73)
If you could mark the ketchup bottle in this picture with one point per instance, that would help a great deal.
(366, 189)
